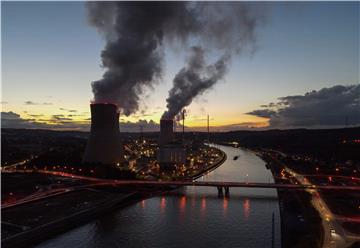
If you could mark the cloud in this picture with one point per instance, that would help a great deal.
(140, 125)
(36, 116)
(60, 118)
(13, 120)
(62, 122)
(36, 103)
(9, 115)
(69, 110)
(328, 107)
(265, 113)
(4, 102)
(72, 115)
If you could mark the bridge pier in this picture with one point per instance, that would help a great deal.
(220, 191)
(227, 191)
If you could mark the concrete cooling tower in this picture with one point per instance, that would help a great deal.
(166, 131)
(170, 151)
(104, 144)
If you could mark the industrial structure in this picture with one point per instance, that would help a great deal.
(104, 144)
(170, 152)
(166, 132)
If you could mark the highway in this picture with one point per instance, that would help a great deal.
(334, 234)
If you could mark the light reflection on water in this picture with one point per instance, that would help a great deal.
(191, 216)
(246, 208)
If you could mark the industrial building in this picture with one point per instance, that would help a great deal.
(170, 152)
(104, 144)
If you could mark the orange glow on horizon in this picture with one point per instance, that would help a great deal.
(78, 117)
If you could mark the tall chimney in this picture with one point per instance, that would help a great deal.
(183, 125)
(166, 131)
(208, 129)
(104, 144)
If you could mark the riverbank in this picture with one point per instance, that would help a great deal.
(212, 167)
(22, 231)
(300, 222)
(34, 222)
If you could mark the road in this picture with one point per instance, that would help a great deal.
(334, 234)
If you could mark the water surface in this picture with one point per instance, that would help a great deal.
(191, 216)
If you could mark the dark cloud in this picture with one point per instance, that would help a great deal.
(60, 118)
(30, 103)
(265, 113)
(69, 110)
(36, 116)
(328, 107)
(13, 120)
(4, 102)
(9, 115)
(72, 115)
(36, 103)
(270, 105)
(61, 122)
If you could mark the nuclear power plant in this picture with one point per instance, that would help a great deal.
(104, 144)
(170, 152)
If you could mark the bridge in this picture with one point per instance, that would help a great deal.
(226, 185)
(220, 185)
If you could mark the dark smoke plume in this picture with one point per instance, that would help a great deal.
(192, 80)
(135, 33)
(228, 29)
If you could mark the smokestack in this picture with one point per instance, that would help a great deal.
(104, 144)
(183, 125)
(208, 129)
(166, 131)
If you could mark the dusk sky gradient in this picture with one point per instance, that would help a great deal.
(50, 56)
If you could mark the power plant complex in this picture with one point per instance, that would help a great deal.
(105, 145)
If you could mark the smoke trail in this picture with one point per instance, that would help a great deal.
(192, 80)
(135, 33)
(229, 29)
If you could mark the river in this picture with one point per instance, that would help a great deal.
(191, 216)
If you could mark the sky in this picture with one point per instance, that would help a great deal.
(50, 55)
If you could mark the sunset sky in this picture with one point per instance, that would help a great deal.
(50, 56)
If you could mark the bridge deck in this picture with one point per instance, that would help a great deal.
(232, 184)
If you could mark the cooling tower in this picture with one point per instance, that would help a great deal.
(166, 131)
(104, 144)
